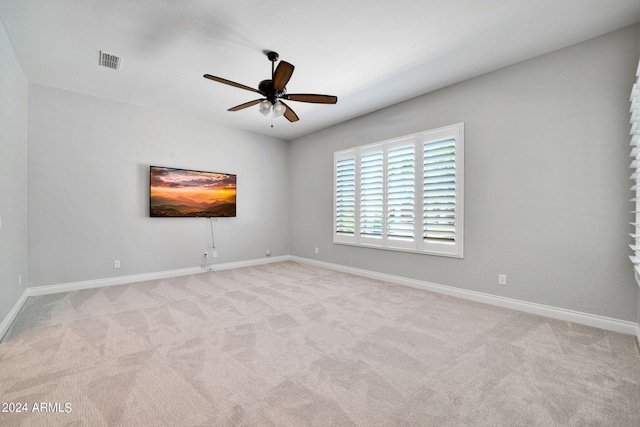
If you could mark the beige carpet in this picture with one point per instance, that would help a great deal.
(292, 345)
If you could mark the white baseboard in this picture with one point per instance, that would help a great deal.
(8, 320)
(123, 280)
(602, 322)
(251, 262)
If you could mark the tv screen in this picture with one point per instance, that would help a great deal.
(189, 193)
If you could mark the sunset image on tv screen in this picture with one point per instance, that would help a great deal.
(187, 193)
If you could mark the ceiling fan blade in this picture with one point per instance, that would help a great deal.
(246, 105)
(290, 114)
(282, 75)
(230, 83)
(310, 97)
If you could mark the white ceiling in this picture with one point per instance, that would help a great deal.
(370, 54)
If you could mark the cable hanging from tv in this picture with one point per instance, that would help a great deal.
(213, 242)
(206, 264)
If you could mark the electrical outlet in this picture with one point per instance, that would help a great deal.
(214, 253)
(116, 263)
(19, 279)
(316, 250)
(502, 279)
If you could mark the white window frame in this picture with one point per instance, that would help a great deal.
(418, 244)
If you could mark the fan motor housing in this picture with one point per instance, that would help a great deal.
(266, 87)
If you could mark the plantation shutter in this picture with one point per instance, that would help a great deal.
(345, 196)
(635, 176)
(371, 193)
(401, 192)
(439, 221)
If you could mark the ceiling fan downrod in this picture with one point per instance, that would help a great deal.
(273, 57)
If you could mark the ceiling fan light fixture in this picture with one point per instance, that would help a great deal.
(278, 109)
(265, 107)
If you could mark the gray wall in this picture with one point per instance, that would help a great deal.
(13, 176)
(546, 185)
(88, 168)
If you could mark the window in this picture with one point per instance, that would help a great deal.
(403, 194)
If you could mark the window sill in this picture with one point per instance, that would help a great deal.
(398, 249)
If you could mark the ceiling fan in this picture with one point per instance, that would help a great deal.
(274, 91)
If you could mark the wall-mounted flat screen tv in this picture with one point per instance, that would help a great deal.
(189, 193)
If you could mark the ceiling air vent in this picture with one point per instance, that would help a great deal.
(110, 61)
